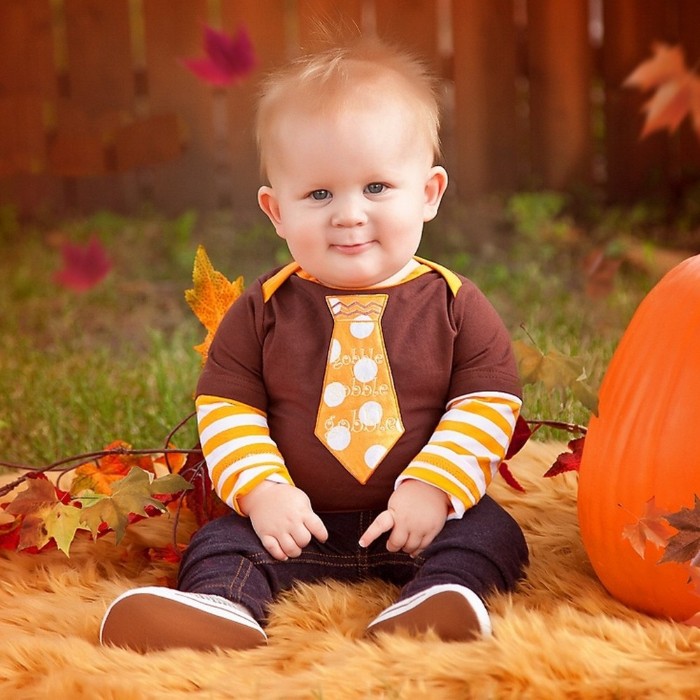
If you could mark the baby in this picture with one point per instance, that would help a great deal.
(357, 402)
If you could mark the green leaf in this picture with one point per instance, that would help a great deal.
(169, 484)
(132, 494)
(104, 510)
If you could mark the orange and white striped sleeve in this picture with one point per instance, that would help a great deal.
(237, 447)
(463, 454)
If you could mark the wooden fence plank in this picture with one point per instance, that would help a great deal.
(560, 65)
(689, 38)
(174, 29)
(268, 30)
(635, 167)
(485, 123)
(101, 83)
(411, 23)
(28, 87)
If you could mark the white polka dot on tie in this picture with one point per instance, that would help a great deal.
(334, 394)
(334, 354)
(338, 438)
(365, 370)
(371, 413)
(374, 455)
(361, 327)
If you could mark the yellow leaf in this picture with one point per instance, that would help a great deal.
(61, 523)
(211, 296)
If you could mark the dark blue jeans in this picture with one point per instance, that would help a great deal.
(485, 551)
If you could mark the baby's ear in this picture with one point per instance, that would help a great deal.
(435, 187)
(269, 204)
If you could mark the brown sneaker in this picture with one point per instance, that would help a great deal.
(152, 618)
(455, 613)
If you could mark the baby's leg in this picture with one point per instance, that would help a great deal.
(481, 553)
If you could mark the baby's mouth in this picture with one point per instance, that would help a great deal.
(353, 248)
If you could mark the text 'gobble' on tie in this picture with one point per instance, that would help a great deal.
(358, 417)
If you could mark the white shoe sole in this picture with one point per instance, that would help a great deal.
(454, 613)
(154, 618)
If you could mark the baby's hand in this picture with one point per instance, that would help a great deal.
(415, 514)
(282, 518)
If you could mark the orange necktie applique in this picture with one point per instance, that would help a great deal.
(358, 417)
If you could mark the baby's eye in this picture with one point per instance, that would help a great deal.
(375, 188)
(320, 195)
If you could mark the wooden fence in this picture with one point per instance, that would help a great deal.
(97, 110)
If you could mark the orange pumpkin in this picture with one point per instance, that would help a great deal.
(644, 443)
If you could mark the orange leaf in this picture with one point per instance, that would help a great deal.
(670, 105)
(33, 506)
(650, 527)
(211, 296)
(98, 475)
(677, 90)
(667, 63)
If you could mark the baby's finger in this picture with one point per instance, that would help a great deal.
(412, 545)
(289, 545)
(381, 524)
(316, 527)
(273, 548)
(398, 540)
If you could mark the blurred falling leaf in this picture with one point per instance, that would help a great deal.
(677, 89)
(83, 266)
(228, 59)
(556, 371)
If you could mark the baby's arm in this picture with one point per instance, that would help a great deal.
(248, 473)
(458, 462)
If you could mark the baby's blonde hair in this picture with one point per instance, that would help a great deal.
(330, 78)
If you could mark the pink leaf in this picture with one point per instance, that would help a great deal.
(228, 60)
(83, 266)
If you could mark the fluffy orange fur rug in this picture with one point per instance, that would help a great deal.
(559, 636)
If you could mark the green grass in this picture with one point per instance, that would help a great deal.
(78, 371)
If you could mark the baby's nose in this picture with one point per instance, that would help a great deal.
(349, 211)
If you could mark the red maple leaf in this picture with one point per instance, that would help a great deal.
(568, 461)
(507, 475)
(521, 434)
(228, 59)
(84, 266)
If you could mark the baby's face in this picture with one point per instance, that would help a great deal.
(350, 191)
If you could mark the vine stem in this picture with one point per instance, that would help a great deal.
(81, 459)
(86, 456)
(558, 425)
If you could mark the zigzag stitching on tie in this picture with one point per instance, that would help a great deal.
(355, 308)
